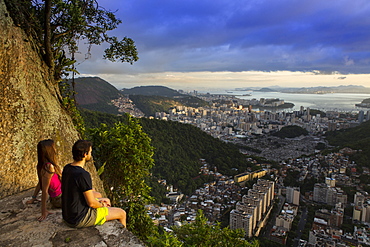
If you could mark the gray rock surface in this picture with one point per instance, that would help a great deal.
(19, 227)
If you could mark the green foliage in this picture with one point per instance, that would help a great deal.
(178, 148)
(202, 234)
(152, 90)
(126, 153)
(149, 105)
(291, 178)
(314, 112)
(291, 132)
(59, 25)
(269, 243)
(352, 137)
(357, 138)
(93, 119)
(165, 239)
(158, 191)
(70, 105)
(320, 146)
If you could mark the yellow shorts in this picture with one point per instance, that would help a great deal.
(94, 216)
(101, 213)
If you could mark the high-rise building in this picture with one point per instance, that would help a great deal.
(292, 195)
(361, 116)
(319, 192)
(249, 209)
(241, 220)
(253, 207)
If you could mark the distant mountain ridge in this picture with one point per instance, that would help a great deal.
(309, 90)
(152, 99)
(152, 90)
(94, 93)
(92, 90)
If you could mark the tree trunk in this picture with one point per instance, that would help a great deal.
(47, 35)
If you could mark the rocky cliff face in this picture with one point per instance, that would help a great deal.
(19, 227)
(29, 111)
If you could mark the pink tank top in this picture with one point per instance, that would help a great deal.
(55, 187)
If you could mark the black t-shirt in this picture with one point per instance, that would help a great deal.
(75, 181)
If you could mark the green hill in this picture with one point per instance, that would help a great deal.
(94, 93)
(152, 99)
(152, 90)
(178, 149)
(149, 105)
(356, 138)
(291, 132)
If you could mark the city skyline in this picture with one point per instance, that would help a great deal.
(207, 44)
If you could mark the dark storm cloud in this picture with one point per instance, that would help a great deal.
(242, 35)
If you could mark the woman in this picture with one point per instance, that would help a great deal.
(49, 175)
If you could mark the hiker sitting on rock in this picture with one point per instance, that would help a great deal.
(80, 205)
(49, 175)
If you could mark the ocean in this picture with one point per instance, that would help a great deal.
(342, 102)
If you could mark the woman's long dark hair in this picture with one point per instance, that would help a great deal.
(46, 153)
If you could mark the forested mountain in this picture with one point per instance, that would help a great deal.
(152, 99)
(150, 104)
(152, 90)
(95, 94)
(178, 150)
(291, 131)
(356, 138)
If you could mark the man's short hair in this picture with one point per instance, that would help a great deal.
(80, 148)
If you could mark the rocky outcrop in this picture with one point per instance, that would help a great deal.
(19, 227)
(30, 110)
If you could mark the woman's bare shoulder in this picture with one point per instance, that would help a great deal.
(49, 167)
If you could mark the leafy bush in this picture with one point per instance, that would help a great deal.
(125, 155)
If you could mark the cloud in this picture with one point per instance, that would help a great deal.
(241, 35)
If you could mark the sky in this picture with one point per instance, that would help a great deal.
(225, 44)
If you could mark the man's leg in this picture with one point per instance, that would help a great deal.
(116, 214)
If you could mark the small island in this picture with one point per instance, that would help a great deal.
(273, 103)
(365, 103)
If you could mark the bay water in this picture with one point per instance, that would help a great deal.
(342, 102)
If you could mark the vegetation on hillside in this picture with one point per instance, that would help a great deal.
(149, 105)
(291, 131)
(152, 99)
(201, 234)
(124, 154)
(314, 112)
(152, 90)
(94, 93)
(357, 138)
(90, 90)
(178, 149)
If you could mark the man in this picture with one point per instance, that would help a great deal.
(80, 205)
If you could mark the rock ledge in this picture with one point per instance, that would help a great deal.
(19, 227)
